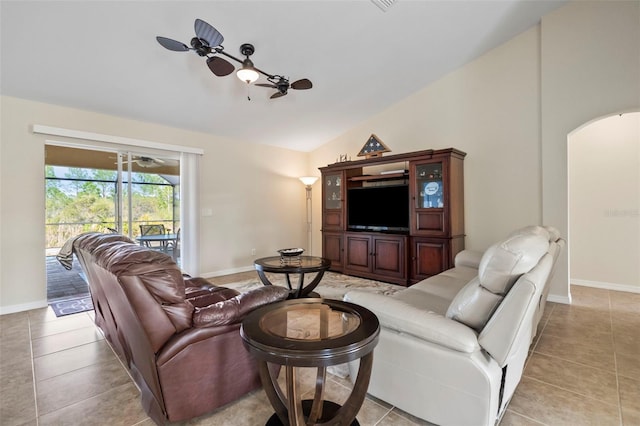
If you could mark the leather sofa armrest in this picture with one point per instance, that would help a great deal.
(233, 310)
(468, 258)
(429, 326)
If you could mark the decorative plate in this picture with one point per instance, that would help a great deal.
(291, 251)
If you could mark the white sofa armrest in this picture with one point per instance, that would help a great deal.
(404, 318)
(468, 258)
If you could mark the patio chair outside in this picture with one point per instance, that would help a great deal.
(174, 246)
(155, 229)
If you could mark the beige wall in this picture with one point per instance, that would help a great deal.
(252, 190)
(511, 111)
(604, 203)
(590, 69)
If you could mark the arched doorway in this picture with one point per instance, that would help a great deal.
(604, 203)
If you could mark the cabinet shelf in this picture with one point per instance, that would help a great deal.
(379, 178)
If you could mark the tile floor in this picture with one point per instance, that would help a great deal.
(584, 369)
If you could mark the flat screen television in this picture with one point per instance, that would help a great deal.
(378, 208)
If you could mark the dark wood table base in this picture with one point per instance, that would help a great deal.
(329, 410)
(315, 411)
(311, 333)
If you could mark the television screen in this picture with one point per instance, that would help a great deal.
(378, 208)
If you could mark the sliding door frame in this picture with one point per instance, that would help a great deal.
(189, 178)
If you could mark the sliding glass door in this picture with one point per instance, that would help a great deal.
(149, 194)
(110, 191)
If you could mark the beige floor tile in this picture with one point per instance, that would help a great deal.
(241, 276)
(625, 302)
(584, 350)
(62, 324)
(590, 297)
(628, 366)
(18, 373)
(17, 404)
(70, 388)
(119, 406)
(370, 412)
(66, 340)
(554, 406)
(626, 333)
(14, 349)
(569, 320)
(630, 401)
(250, 410)
(514, 419)
(578, 378)
(395, 418)
(9, 322)
(62, 362)
(42, 315)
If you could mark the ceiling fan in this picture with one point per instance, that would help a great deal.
(149, 162)
(208, 43)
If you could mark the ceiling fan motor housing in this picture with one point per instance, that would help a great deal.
(247, 49)
(201, 47)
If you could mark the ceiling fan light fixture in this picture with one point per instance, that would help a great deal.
(247, 73)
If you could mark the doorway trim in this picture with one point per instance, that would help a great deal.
(118, 140)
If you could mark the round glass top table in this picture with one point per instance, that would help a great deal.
(311, 332)
(287, 265)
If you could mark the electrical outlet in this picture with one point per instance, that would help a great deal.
(253, 252)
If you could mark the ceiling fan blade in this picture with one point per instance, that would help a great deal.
(277, 95)
(273, 86)
(206, 32)
(170, 44)
(302, 84)
(219, 66)
(151, 160)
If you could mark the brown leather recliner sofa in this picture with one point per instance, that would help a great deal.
(179, 336)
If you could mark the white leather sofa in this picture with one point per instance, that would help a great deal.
(452, 347)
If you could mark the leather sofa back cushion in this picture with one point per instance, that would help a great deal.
(501, 265)
(158, 285)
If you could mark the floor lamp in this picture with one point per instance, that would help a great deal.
(308, 181)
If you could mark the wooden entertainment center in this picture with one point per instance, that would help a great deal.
(414, 247)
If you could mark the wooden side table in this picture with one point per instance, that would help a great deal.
(300, 265)
(317, 333)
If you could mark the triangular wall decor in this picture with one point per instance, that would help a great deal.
(374, 147)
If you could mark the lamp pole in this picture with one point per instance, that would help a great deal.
(308, 181)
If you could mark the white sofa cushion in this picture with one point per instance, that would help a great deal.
(499, 268)
(436, 293)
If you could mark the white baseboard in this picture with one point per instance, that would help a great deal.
(607, 286)
(12, 309)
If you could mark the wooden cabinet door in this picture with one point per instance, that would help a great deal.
(376, 256)
(333, 195)
(429, 189)
(429, 257)
(389, 257)
(332, 249)
(358, 251)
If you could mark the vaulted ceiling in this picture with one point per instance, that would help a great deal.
(102, 56)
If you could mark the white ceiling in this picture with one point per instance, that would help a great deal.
(102, 56)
